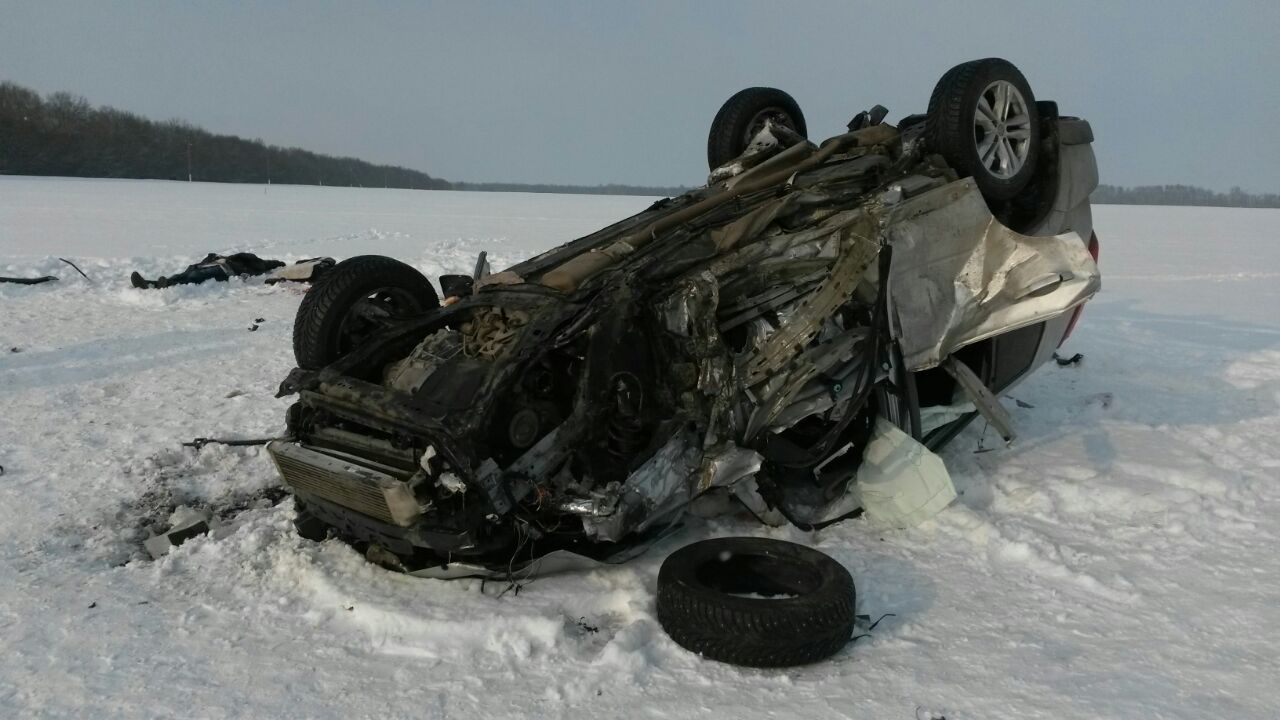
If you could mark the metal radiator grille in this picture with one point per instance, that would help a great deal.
(344, 483)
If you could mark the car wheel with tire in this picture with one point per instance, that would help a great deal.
(353, 301)
(744, 115)
(983, 120)
(756, 602)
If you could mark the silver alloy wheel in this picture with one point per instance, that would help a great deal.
(1002, 129)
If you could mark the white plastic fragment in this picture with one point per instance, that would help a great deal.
(451, 482)
(184, 524)
(901, 482)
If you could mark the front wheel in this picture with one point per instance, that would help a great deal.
(352, 302)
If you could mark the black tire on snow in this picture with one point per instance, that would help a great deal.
(732, 128)
(950, 130)
(702, 602)
(318, 333)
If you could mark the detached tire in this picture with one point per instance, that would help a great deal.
(744, 115)
(982, 119)
(756, 602)
(355, 299)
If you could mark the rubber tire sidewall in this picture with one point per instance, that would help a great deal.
(757, 632)
(725, 141)
(317, 326)
(949, 124)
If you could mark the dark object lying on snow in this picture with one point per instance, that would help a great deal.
(221, 268)
(246, 442)
(799, 335)
(28, 281)
(756, 601)
(44, 279)
(1068, 361)
(76, 268)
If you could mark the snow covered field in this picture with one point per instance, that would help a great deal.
(1118, 561)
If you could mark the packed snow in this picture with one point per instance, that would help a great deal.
(1119, 560)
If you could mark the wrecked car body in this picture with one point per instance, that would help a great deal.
(754, 337)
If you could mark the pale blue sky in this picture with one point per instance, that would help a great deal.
(1178, 91)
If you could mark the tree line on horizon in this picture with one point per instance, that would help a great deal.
(63, 135)
(1182, 195)
(609, 189)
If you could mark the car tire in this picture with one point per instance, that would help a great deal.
(743, 115)
(968, 124)
(703, 602)
(350, 301)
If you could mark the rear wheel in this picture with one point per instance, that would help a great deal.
(353, 301)
(744, 115)
(982, 118)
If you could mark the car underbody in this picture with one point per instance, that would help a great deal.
(748, 339)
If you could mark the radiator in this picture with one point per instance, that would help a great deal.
(345, 483)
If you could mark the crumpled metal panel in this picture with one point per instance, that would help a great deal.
(959, 276)
(858, 253)
(726, 466)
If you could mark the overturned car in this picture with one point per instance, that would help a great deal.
(811, 311)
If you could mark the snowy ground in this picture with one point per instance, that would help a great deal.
(1118, 561)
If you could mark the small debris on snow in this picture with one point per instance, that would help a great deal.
(77, 268)
(185, 523)
(1103, 399)
(1064, 362)
(200, 442)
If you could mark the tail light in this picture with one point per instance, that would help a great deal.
(1075, 314)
